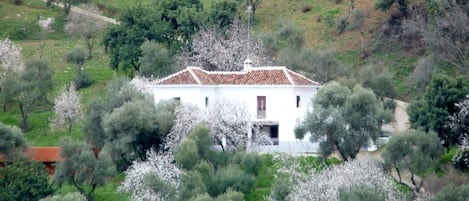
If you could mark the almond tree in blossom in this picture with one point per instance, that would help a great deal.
(11, 58)
(67, 108)
(11, 65)
(45, 24)
(332, 181)
(158, 166)
(213, 49)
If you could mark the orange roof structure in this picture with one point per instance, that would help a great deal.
(44, 154)
(277, 75)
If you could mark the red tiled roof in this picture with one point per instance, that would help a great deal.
(256, 76)
(41, 154)
(44, 154)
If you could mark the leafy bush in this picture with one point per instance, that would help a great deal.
(434, 183)
(202, 197)
(460, 159)
(200, 135)
(281, 188)
(75, 196)
(186, 154)
(231, 177)
(361, 193)
(24, 180)
(83, 80)
(453, 193)
(191, 184)
(306, 8)
(250, 162)
(231, 195)
(206, 171)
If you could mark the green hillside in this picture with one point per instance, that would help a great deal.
(317, 18)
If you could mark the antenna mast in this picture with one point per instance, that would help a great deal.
(249, 30)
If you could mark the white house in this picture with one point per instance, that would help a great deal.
(276, 96)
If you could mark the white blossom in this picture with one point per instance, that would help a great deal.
(326, 184)
(67, 107)
(226, 51)
(11, 58)
(159, 164)
(45, 23)
(143, 84)
(187, 117)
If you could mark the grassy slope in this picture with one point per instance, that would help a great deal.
(55, 47)
(320, 25)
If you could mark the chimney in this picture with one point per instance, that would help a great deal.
(247, 65)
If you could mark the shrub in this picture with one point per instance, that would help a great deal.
(361, 193)
(280, 189)
(186, 154)
(231, 177)
(83, 80)
(231, 195)
(206, 171)
(460, 159)
(200, 135)
(250, 162)
(453, 193)
(434, 183)
(306, 8)
(75, 196)
(191, 185)
(202, 197)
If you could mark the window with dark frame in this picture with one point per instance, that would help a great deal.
(298, 100)
(261, 107)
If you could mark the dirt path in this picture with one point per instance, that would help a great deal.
(88, 13)
(401, 119)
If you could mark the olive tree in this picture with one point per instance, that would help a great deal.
(412, 151)
(343, 119)
(127, 122)
(81, 168)
(12, 140)
(33, 87)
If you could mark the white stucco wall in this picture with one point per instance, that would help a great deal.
(280, 107)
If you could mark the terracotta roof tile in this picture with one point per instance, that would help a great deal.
(182, 77)
(44, 154)
(41, 154)
(256, 76)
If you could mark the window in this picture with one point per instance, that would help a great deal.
(206, 101)
(274, 134)
(261, 107)
(177, 99)
(298, 99)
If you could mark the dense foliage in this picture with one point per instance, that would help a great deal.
(127, 122)
(431, 111)
(343, 119)
(83, 168)
(413, 152)
(12, 141)
(22, 179)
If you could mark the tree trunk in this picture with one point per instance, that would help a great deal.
(70, 126)
(24, 118)
(89, 45)
(399, 175)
